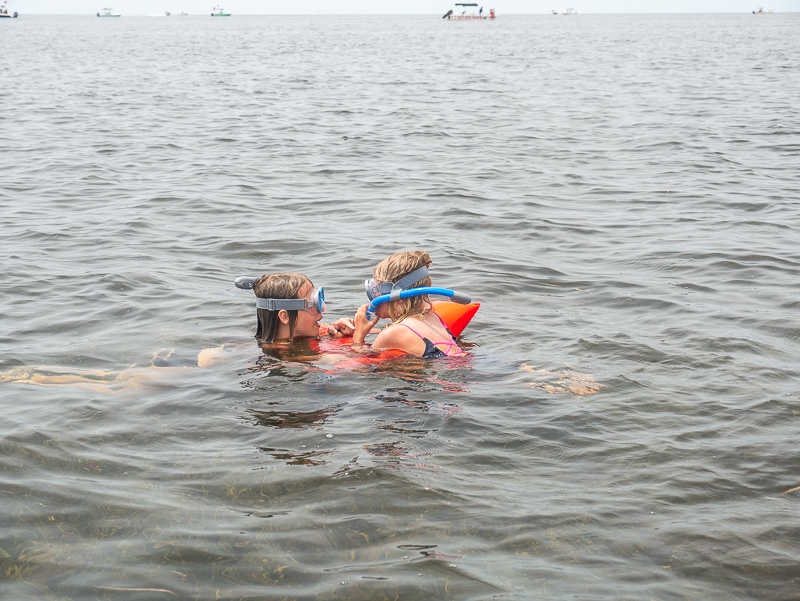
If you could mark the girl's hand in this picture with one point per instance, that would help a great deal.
(344, 327)
(363, 326)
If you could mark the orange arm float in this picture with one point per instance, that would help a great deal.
(456, 316)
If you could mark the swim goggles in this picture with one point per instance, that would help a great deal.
(317, 300)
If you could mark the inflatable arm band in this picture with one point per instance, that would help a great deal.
(456, 316)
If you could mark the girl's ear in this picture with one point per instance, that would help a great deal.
(283, 315)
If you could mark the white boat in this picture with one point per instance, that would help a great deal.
(761, 11)
(4, 14)
(218, 11)
(570, 11)
(107, 12)
(466, 12)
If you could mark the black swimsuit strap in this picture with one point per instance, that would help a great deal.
(431, 352)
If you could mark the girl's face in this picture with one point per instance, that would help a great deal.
(398, 307)
(307, 321)
(383, 310)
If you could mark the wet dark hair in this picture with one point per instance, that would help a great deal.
(276, 285)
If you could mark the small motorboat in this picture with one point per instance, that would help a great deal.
(218, 11)
(464, 12)
(761, 11)
(107, 12)
(4, 14)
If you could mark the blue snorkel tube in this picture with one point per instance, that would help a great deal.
(457, 297)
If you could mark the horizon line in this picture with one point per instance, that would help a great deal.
(409, 14)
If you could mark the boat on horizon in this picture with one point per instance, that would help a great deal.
(570, 11)
(761, 11)
(107, 12)
(4, 14)
(218, 11)
(464, 15)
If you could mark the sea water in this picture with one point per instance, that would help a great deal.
(619, 192)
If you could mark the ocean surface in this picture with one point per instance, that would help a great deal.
(619, 192)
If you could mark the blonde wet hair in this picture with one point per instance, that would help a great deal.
(276, 285)
(392, 269)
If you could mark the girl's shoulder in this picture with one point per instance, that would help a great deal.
(398, 336)
(436, 324)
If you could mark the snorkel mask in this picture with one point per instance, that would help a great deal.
(382, 292)
(376, 289)
(317, 300)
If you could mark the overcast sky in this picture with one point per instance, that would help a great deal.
(413, 7)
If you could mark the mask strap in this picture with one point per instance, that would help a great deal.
(276, 304)
(406, 281)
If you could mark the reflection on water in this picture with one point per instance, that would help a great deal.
(389, 449)
(402, 427)
(296, 458)
(406, 396)
(292, 419)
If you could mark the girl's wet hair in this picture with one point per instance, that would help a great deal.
(393, 268)
(276, 285)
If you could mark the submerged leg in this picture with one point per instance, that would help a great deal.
(562, 381)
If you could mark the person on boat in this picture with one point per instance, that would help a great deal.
(415, 329)
(288, 306)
